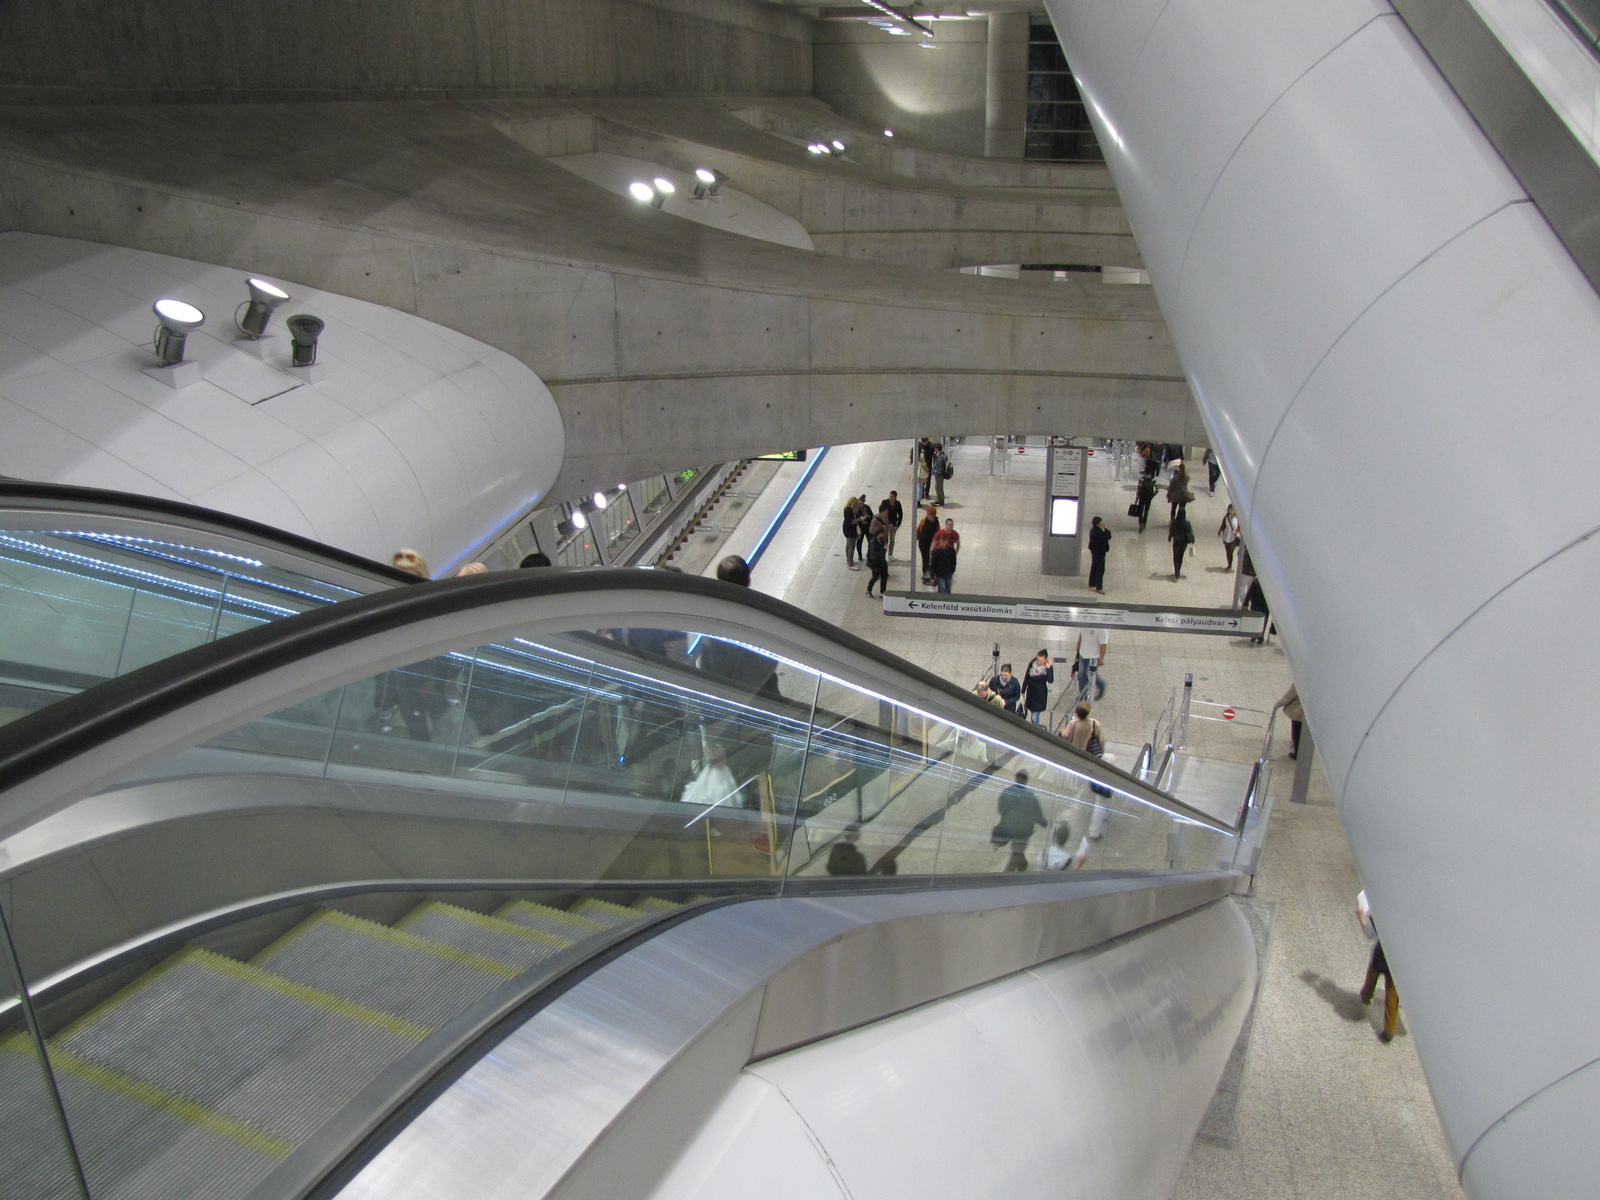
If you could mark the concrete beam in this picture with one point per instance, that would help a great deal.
(665, 343)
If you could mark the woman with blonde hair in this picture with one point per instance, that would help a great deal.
(408, 560)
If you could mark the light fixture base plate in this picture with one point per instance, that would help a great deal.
(178, 376)
(315, 373)
(261, 347)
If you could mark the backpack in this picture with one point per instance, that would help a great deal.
(949, 470)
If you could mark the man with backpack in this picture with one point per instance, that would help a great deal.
(941, 471)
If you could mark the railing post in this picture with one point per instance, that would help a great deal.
(1182, 740)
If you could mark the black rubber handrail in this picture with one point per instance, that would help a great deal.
(15, 493)
(50, 737)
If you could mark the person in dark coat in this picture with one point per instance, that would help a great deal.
(864, 519)
(1143, 498)
(927, 530)
(1036, 685)
(897, 516)
(852, 529)
(1178, 490)
(1181, 534)
(1008, 687)
(878, 562)
(845, 857)
(1020, 814)
(1099, 543)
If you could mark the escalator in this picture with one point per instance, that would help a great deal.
(267, 899)
(94, 584)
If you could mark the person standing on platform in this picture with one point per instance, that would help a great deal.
(1020, 814)
(1092, 645)
(863, 525)
(1008, 687)
(923, 462)
(1377, 966)
(1099, 543)
(880, 522)
(1178, 494)
(1036, 686)
(1145, 495)
(897, 515)
(941, 465)
(946, 546)
(1295, 711)
(1214, 468)
(878, 561)
(927, 530)
(851, 529)
(1228, 531)
(1181, 534)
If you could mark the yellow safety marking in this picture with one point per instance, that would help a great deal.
(621, 910)
(657, 904)
(476, 918)
(119, 997)
(372, 929)
(169, 1102)
(309, 995)
(573, 919)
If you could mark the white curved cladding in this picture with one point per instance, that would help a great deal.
(730, 209)
(1374, 318)
(412, 435)
(1083, 1078)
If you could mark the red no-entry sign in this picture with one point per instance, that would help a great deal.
(1227, 714)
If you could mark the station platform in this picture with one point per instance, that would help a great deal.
(1314, 1106)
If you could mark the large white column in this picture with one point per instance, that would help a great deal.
(1396, 359)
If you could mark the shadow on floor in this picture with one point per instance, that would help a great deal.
(1343, 1001)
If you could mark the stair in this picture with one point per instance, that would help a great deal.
(203, 1074)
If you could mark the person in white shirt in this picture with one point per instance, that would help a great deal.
(1091, 657)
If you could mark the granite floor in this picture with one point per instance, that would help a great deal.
(1322, 1108)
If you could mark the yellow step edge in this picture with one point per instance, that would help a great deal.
(657, 904)
(559, 913)
(309, 995)
(487, 922)
(122, 994)
(372, 929)
(169, 1102)
(621, 910)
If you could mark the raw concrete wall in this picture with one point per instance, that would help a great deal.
(933, 98)
(70, 51)
(665, 343)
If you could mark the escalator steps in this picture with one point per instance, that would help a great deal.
(655, 904)
(503, 941)
(549, 920)
(136, 1141)
(409, 977)
(607, 913)
(251, 1046)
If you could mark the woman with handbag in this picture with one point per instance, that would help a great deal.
(1087, 734)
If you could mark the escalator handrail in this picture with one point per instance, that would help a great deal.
(51, 737)
(20, 494)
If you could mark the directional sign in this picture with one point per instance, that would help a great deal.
(1224, 622)
(1228, 714)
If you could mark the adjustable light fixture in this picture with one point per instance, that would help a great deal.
(664, 186)
(600, 502)
(817, 148)
(175, 319)
(257, 311)
(304, 330)
(836, 149)
(888, 133)
(707, 182)
(645, 194)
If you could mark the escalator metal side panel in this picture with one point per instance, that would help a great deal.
(703, 998)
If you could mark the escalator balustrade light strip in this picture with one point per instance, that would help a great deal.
(126, 538)
(158, 1097)
(119, 569)
(386, 933)
(205, 599)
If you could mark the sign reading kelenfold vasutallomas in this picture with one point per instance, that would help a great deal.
(1220, 621)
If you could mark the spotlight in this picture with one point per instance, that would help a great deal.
(579, 519)
(926, 46)
(708, 182)
(664, 186)
(888, 133)
(176, 320)
(264, 297)
(645, 194)
(304, 330)
(600, 502)
(815, 148)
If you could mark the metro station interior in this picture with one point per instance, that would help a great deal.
(451, 744)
